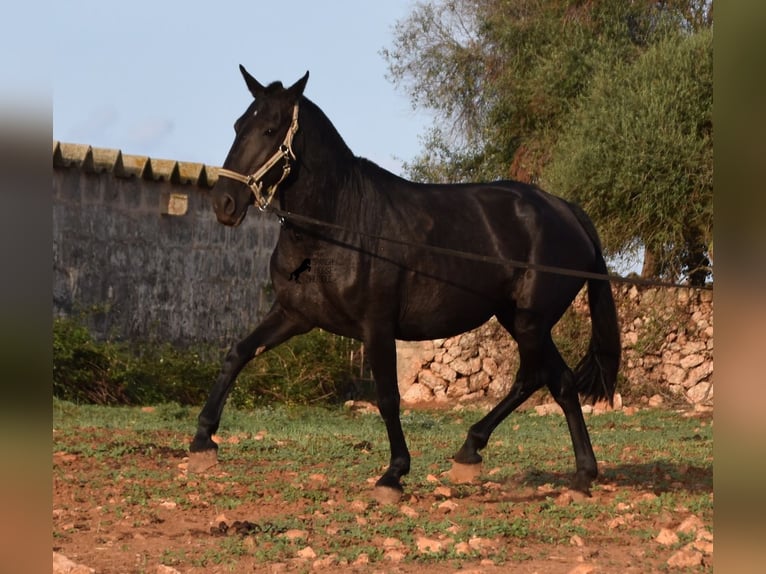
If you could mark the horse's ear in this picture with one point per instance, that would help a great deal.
(296, 90)
(252, 84)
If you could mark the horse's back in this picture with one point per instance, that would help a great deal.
(506, 219)
(503, 223)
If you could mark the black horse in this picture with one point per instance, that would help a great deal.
(287, 153)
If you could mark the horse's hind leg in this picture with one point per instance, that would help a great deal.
(540, 364)
(564, 391)
(523, 387)
(530, 336)
(276, 327)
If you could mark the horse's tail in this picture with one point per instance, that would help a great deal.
(596, 373)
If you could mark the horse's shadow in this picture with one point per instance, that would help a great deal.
(656, 476)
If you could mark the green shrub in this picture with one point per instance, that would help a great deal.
(83, 369)
(312, 368)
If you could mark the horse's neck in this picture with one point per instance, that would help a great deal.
(320, 191)
(326, 181)
(333, 180)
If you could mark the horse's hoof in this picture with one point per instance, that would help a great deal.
(202, 461)
(582, 483)
(387, 495)
(464, 473)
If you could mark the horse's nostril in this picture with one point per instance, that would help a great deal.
(228, 204)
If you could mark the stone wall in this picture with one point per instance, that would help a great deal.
(667, 340)
(138, 253)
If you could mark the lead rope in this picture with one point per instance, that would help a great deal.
(287, 216)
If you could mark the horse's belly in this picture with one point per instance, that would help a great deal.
(440, 313)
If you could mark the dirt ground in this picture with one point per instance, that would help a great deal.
(143, 512)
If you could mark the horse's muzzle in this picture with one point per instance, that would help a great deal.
(225, 207)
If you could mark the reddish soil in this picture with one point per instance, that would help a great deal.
(152, 516)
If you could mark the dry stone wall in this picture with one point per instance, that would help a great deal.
(667, 341)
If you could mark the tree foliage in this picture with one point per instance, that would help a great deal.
(505, 76)
(637, 154)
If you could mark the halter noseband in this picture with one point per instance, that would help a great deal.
(255, 180)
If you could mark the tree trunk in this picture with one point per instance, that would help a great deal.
(649, 270)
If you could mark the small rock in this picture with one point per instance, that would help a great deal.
(478, 543)
(704, 534)
(324, 563)
(63, 565)
(408, 511)
(685, 558)
(163, 569)
(582, 569)
(427, 545)
(443, 492)
(647, 497)
(576, 541)
(563, 499)
(462, 548)
(703, 546)
(394, 556)
(548, 409)
(362, 560)
(667, 537)
(417, 393)
(306, 553)
(392, 543)
(656, 400)
(700, 392)
(295, 534)
(690, 524)
(615, 523)
(691, 361)
(358, 506)
(448, 506)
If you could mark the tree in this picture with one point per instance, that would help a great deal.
(637, 155)
(502, 74)
(504, 77)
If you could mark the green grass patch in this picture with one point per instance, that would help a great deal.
(313, 463)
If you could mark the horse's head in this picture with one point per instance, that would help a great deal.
(261, 155)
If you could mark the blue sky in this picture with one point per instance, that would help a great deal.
(161, 78)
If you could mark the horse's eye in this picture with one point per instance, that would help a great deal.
(268, 132)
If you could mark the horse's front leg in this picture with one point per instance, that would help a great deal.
(276, 327)
(382, 357)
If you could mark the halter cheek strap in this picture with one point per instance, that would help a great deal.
(255, 180)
